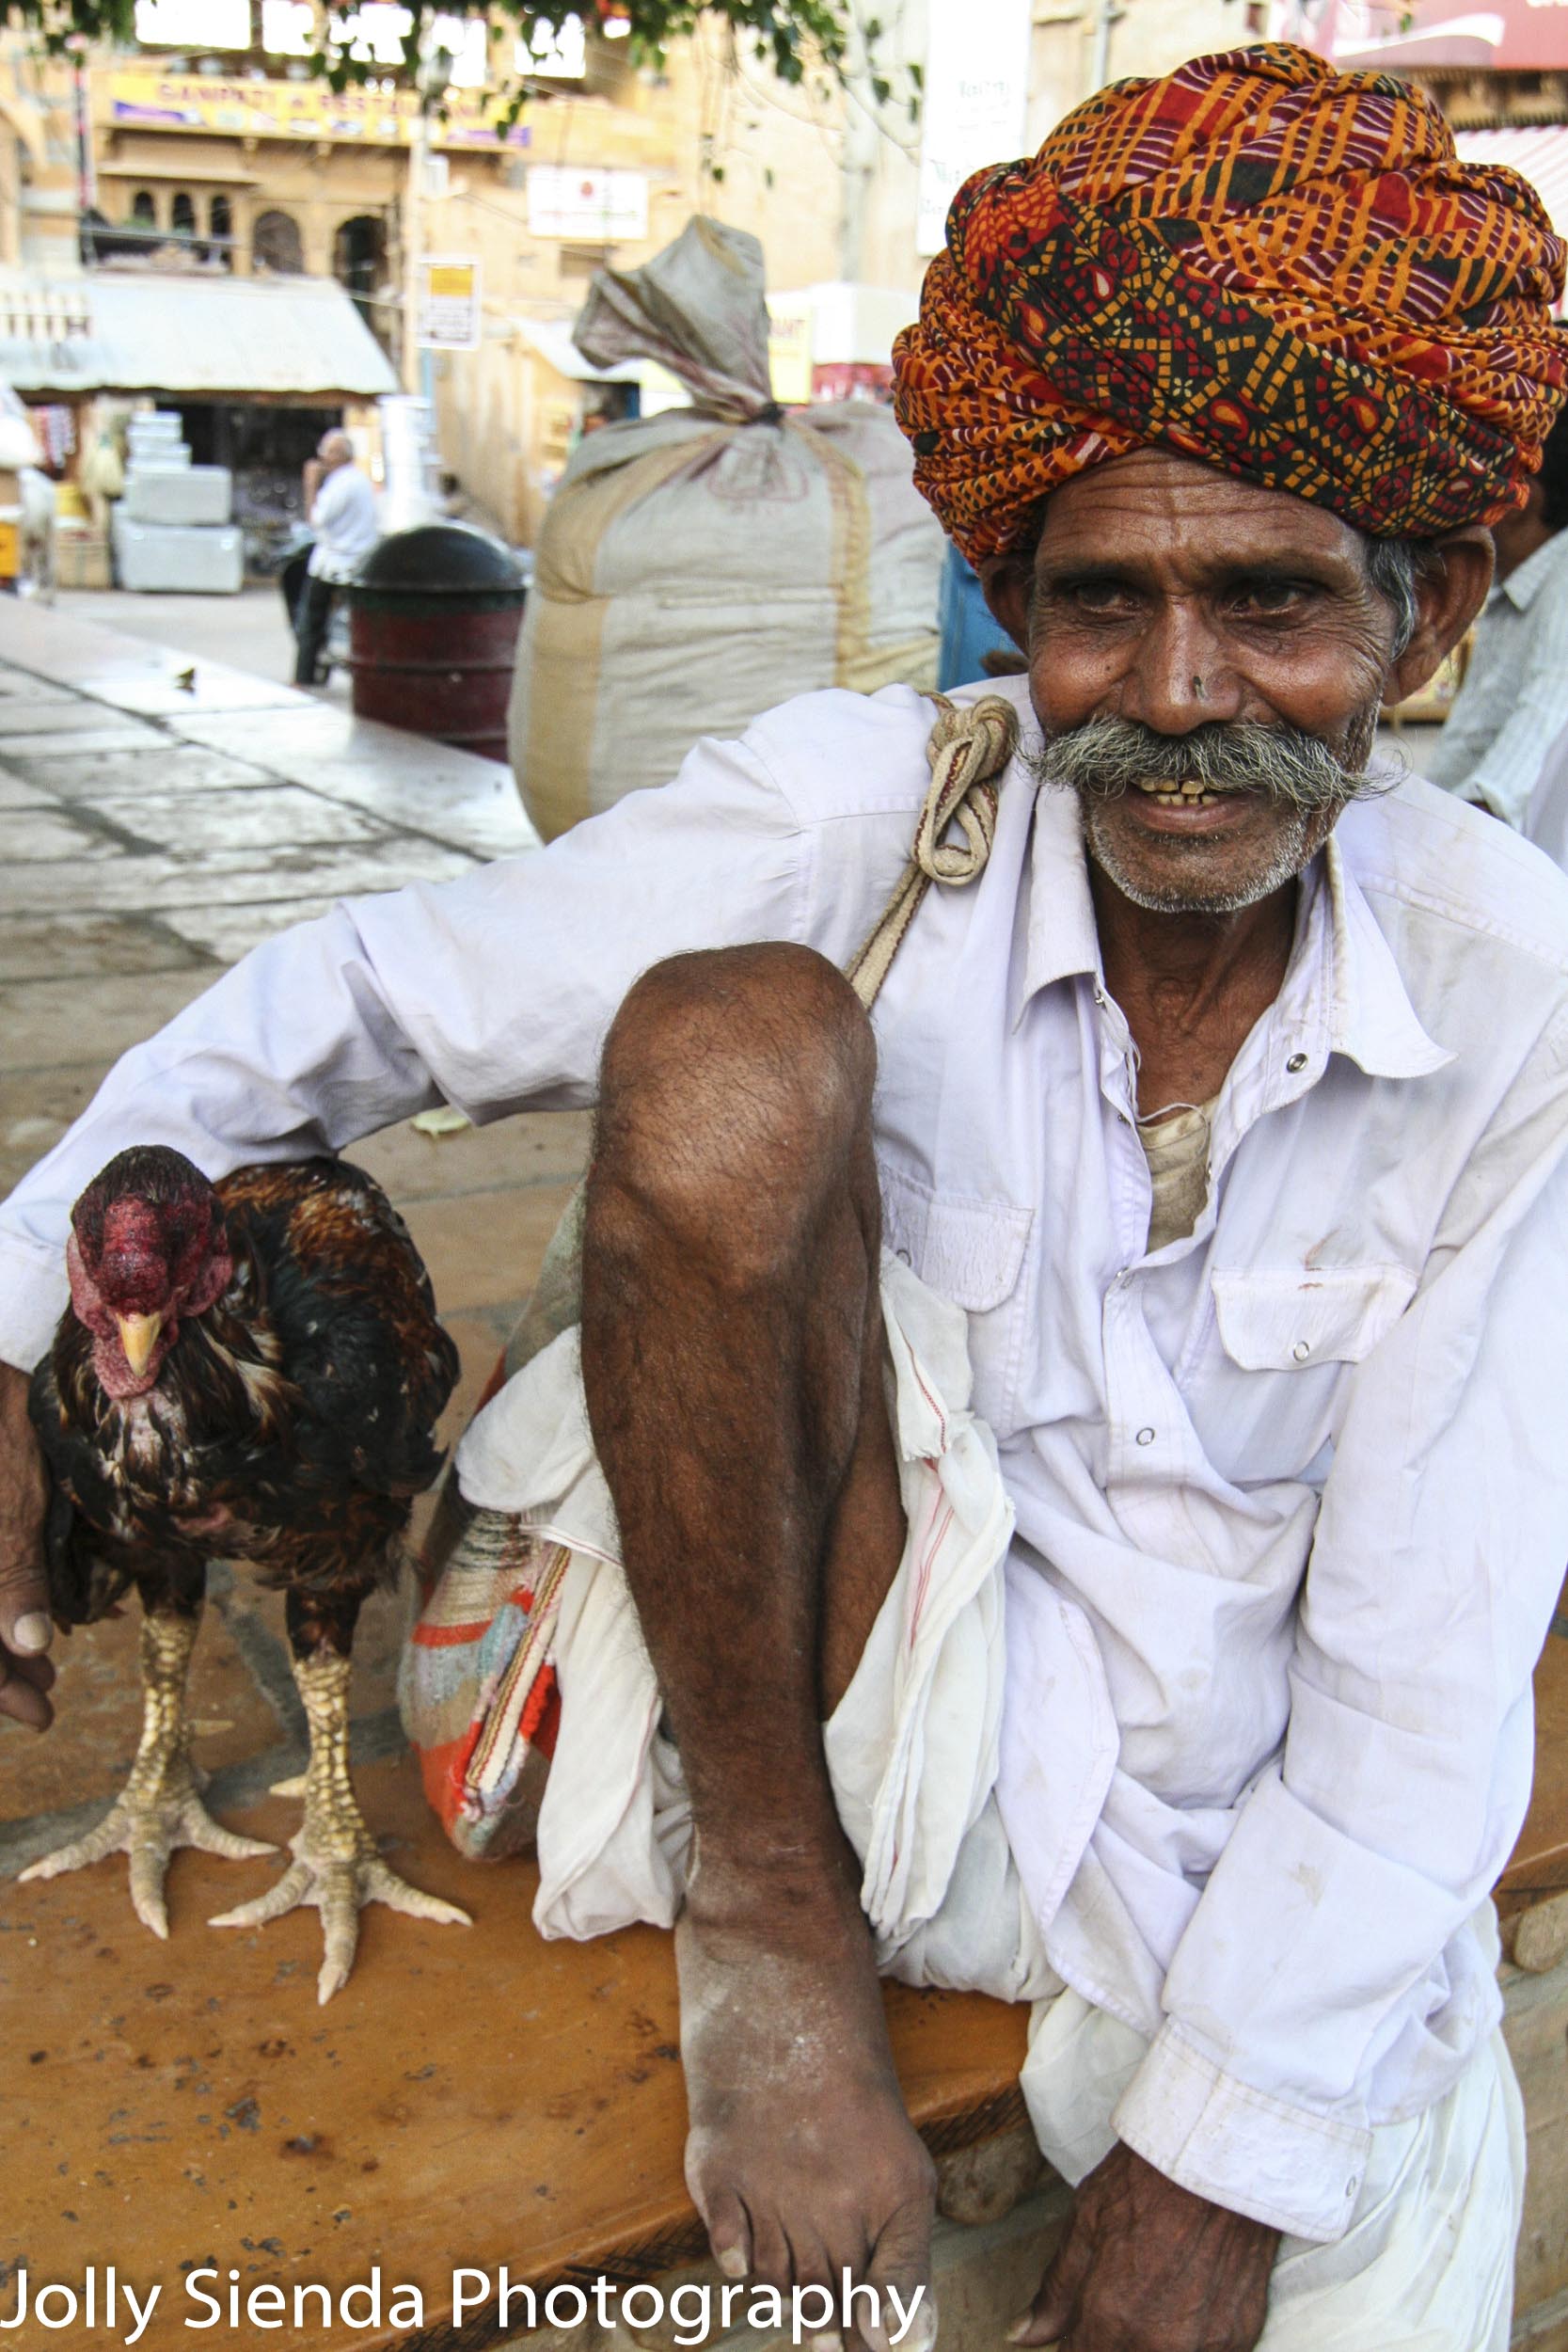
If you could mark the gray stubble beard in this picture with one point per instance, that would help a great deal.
(1297, 772)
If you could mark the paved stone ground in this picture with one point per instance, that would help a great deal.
(249, 631)
(156, 825)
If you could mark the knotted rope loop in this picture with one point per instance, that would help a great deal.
(968, 748)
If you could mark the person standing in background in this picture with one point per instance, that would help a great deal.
(1514, 704)
(341, 505)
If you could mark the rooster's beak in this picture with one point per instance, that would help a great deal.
(138, 1337)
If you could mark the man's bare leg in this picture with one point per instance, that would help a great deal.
(731, 1352)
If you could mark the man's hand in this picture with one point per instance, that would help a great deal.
(1148, 2267)
(25, 1631)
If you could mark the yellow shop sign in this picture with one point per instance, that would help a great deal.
(143, 101)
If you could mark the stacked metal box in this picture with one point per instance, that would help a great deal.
(172, 528)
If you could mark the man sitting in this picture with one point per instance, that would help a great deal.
(1217, 1128)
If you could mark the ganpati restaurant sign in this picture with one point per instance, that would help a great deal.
(1521, 36)
(143, 101)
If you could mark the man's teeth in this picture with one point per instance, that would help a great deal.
(1180, 795)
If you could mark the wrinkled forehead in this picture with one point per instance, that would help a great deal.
(1159, 509)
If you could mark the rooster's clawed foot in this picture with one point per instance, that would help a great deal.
(160, 1808)
(336, 1868)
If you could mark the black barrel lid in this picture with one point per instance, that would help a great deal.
(431, 559)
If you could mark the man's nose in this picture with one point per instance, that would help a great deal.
(1179, 678)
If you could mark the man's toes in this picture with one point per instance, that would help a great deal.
(771, 2262)
(724, 2218)
(900, 2276)
(817, 2295)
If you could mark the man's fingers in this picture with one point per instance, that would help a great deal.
(1055, 2307)
(23, 1684)
(25, 1629)
(30, 1630)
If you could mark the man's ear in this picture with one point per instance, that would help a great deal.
(1451, 583)
(1007, 581)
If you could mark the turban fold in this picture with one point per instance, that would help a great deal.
(1259, 261)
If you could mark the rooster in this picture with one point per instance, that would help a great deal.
(251, 1371)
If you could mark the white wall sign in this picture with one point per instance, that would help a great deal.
(447, 311)
(977, 93)
(596, 207)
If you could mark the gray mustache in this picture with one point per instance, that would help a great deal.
(1107, 757)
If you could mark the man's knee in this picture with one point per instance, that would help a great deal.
(733, 1086)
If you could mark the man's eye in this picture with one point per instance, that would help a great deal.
(1098, 596)
(1268, 597)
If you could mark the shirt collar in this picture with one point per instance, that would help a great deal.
(1342, 991)
(1061, 939)
(1359, 998)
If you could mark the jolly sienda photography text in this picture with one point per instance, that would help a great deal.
(104, 2300)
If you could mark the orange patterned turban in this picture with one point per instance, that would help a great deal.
(1260, 262)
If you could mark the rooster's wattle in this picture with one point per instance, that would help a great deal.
(250, 1370)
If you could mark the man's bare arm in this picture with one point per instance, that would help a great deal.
(25, 1631)
(1146, 2266)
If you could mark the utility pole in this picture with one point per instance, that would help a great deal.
(1106, 14)
(413, 241)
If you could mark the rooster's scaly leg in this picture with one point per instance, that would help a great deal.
(336, 1866)
(160, 1807)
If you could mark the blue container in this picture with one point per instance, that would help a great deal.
(967, 631)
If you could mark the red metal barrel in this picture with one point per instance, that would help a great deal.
(434, 615)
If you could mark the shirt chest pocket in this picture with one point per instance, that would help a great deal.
(1273, 1387)
(971, 1252)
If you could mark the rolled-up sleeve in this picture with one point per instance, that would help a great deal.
(1325, 1937)
(492, 993)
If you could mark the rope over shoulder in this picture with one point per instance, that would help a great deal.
(968, 748)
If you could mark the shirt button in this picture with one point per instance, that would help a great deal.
(1099, 996)
(1146, 1437)
(1298, 1061)
(1301, 1351)
(903, 1256)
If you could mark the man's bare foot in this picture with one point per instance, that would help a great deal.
(800, 2157)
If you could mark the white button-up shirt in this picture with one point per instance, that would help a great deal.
(1291, 1493)
(345, 522)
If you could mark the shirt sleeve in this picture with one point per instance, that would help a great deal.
(493, 992)
(1527, 705)
(1330, 1928)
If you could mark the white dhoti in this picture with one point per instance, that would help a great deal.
(1426, 2265)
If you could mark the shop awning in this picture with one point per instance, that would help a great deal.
(208, 337)
(552, 340)
(1541, 155)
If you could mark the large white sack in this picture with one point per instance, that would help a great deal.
(697, 568)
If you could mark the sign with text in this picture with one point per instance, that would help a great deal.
(131, 98)
(789, 348)
(592, 207)
(447, 313)
(976, 92)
